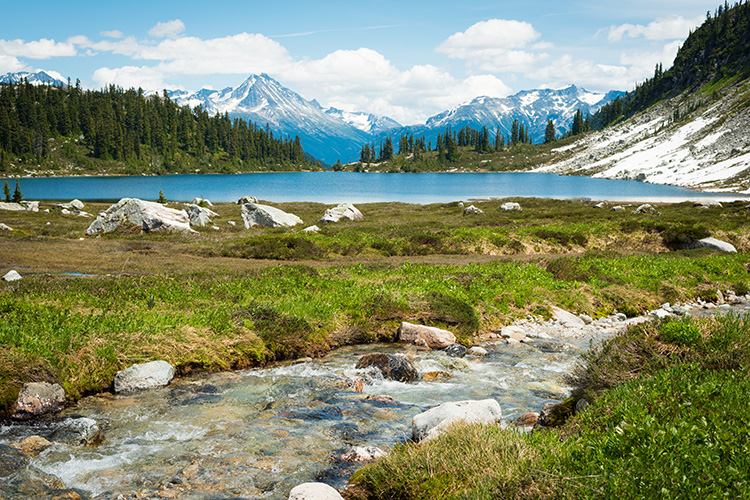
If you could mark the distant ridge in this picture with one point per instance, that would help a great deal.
(38, 78)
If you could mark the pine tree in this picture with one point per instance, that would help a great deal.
(514, 137)
(17, 196)
(577, 127)
(549, 132)
(6, 192)
(162, 199)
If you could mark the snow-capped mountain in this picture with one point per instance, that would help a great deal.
(263, 100)
(38, 78)
(366, 122)
(532, 108)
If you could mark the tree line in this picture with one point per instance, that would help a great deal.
(128, 126)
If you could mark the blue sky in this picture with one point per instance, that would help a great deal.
(404, 59)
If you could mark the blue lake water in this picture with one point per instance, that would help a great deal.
(337, 187)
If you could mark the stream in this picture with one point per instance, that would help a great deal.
(258, 433)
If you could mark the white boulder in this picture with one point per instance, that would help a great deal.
(434, 338)
(198, 215)
(13, 207)
(472, 210)
(247, 199)
(201, 202)
(144, 376)
(566, 319)
(150, 216)
(312, 229)
(435, 421)
(362, 454)
(38, 398)
(30, 206)
(77, 204)
(257, 215)
(5, 227)
(343, 211)
(510, 206)
(314, 491)
(715, 244)
(12, 275)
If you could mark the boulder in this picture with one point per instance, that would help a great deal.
(247, 199)
(12, 275)
(601, 205)
(30, 206)
(362, 454)
(435, 421)
(434, 338)
(202, 202)
(31, 446)
(343, 211)
(526, 420)
(149, 216)
(37, 398)
(513, 332)
(617, 208)
(455, 364)
(312, 229)
(455, 351)
(78, 431)
(510, 206)
(714, 244)
(393, 366)
(198, 215)
(472, 210)
(646, 208)
(144, 376)
(566, 319)
(257, 215)
(77, 204)
(555, 414)
(4, 227)
(477, 351)
(707, 204)
(436, 375)
(314, 491)
(13, 207)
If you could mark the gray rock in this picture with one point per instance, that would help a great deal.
(619, 317)
(312, 229)
(661, 313)
(314, 491)
(472, 210)
(12, 275)
(78, 431)
(566, 319)
(477, 351)
(30, 206)
(77, 204)
(646, 208)
(362, 454)
(455, 351)
(510, 206)
(434, 338)
(707, 204)
(13, 207)
(149, 216)
(343, 211)
(202, 202)
(586, 318)
(617, 208)
(199, 216)
(435, 421)
(514, 332)
(601, 205)
(4, 227)
(31, 446)
(393, 366)
(256, 215)
(714, 244)
(247, 199)
(144, 376)
(38, 398)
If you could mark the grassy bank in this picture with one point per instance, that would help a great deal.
(234, 298)
(667, 421)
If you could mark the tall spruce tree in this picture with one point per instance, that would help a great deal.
(549, 132)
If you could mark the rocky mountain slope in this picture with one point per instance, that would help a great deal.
(701, 141)
(38, 78)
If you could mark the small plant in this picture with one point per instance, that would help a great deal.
(162, 199)
(680, 333)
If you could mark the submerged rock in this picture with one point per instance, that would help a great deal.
(31, 446)
(314, 491)
(78, 431)
(149, 216)
(343, 211)
(393, 366)
(362, 454)
(38, 398)
(257, 215)
(436, 375)
(455, 351)
(144, 376)
(435, 421)
(434, 338)
(526, 420)
(477, 351)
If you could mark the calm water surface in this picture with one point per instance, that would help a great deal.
(337, 187)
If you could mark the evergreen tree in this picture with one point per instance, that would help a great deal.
(577, 127)
(6, 192)
(514, 136)
(162, 199)
(549, 132)
(17, 196)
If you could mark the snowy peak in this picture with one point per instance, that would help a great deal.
(38, 78)
(366, 122)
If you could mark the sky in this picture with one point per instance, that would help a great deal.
(406, 59)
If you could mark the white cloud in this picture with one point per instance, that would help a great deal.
(148, 78)
(37, 49)
(169, 29)
(10, 64)
(117, 34)
(487, 36)
(666, 28)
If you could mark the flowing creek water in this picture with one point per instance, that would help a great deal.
(258, 433)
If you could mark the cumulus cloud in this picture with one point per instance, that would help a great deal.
(145, 77)
(10, 64)
(666, 28)
(37, 49)
(113, 34)
(169, 29)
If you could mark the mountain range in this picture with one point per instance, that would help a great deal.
(38, 78)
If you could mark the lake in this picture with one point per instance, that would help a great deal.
(338, 187)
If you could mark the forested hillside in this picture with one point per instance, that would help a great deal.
(66, 130)
(718, 49)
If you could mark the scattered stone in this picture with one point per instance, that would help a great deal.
(477, 351)
(646, 208)
(435, 421)
(343, 211)
(149, 216)
(707, 204)
(362, 454)
(383, 399)
(601, 205)
(619, 317)
(455, 364)
(77, 204)
(13, 207)
(31, 446)
(526, 420)
(247, 199)
(581, 406)
(202, 202)
(393, 366)
(436, 375)
(231, 223)
(12, 275)
(4, 227)
(513, 332)
(472, 210)
(586, 318)
(555, 414)
(37, 398)
(460, 204)
(312, 229)
(714, 244)
(30, 206)
(314, 491)
(78, 431)
(435, 338)
(617, 208)
(661, 313)
(199, 216)
(566, 319)
(455, 351)
(65, 211)
(144, 376)
(510, 206)
(256, 215)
